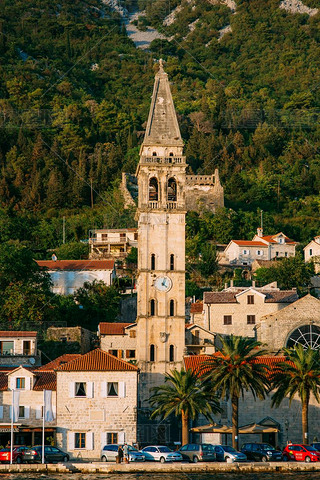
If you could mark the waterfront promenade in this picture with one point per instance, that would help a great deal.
(153, 467)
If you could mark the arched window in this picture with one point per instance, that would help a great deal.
(152, 353)
(171, 308)
(171, 353)
(171, 154)
(171, 261)
(153, 189)
(152, 307)
(305, 335)
(153, 261)
(172, 190)
(154, 154)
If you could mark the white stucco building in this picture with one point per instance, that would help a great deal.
(69, 275)
(312, 253)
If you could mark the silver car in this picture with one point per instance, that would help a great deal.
(224, 452)
(110, 452)
(159, 453)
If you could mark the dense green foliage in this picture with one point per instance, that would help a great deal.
(75, 93)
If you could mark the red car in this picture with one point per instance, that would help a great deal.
(20, 454)
(300, 453)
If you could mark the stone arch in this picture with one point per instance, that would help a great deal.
(172, 190)
(153, 189)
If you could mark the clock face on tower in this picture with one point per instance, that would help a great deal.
(163, 284)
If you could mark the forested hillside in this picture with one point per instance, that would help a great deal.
(75, 93)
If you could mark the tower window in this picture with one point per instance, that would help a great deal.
(153, 189)
(152, 353)
(172, 190)
(152, 307)
(172, 262)
(171, 154)
(153, 261)
(171, 353)
(154, 154)
(250, 299)
(171, 308)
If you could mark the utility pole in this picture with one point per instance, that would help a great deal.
(91, 192)
(261, 222)
(63, 229)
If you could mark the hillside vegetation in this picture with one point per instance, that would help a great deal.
(75, 93)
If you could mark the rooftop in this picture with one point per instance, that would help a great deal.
(280, 296)
(17, 333)
(97, 361)
(106, 328)
(76, 264)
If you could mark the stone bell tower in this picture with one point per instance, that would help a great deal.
(161, 242)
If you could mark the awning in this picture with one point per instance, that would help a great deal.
(250, 428)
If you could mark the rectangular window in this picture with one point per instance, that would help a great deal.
(277, 254)
(112, 389)
(132, 334)
(26, 347)
(310, 252)
(227, 320)
(131, 354)
(80, 389)
(112, 438)
(80, 440)
(245, 252)
(21, 411)
(6, 348)
(122, 236)
(251, 319)
(20, 383)
(250, 299)
(114, 352)
(285, 254)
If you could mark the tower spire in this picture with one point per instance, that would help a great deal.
(162, 126)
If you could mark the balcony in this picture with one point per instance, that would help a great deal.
(112, 241)
(163, 160)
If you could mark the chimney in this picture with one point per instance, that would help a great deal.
(260, 232)
(231, 283)
(253, 284)
(225, 286)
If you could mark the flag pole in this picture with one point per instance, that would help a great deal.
(11, 435)
(43, 426)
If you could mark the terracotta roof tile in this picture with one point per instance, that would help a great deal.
(17, 333)
(282, 296)
(196, 307)
(272, 239)
(45, 381)
(76, 264)
(194, 362)
(51, 366)
(97, 361)
(3, 381)
(250, 243)
(106, 328)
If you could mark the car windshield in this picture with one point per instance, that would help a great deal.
(132, 449)
(5, 450)
(164, 449)
(226, 448)
(266, 446)
(207, 448)
(310, 449)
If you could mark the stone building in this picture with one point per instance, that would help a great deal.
(69, 275)
(312, 253)
(79, 336)
(18, 348)
(261, 247)
(97, 404)
(204, 192)
(112, 242)
(119, 339)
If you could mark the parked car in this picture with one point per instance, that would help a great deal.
(223, 452)
(261, 452)
(159, 453)
(110, 452)
(51, 454)
(194, 452)
(316, 445)
(301, 453)
(21, 454)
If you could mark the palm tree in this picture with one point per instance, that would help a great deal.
(298, 375)
(183, 394)
(237, 368)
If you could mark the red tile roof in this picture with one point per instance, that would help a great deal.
(250, 243)
(196, 307)
(18, 333)
(272, 239)
(76, 264)
(45, 381)
(282, 296)
(97, 361)
(106, 328)
(54, 364)
(194, 362)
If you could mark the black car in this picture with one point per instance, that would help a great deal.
(51, 454)
(261, 452)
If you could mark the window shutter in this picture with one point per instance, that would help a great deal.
(1, 411)
(54, 411)
(70, 441)
(89, 441)
(121, 437)
(38, 412)
(89, 389)
(26, 412)
(103, 439)
(10, 412)
(28, 383)
(127, 353)
(12, 383)
(103, 389)
(122, 389)
(71, 389)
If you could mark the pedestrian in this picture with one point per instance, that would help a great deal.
(126, 453)
(120, 454)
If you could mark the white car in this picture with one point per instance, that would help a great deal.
(159, 453)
